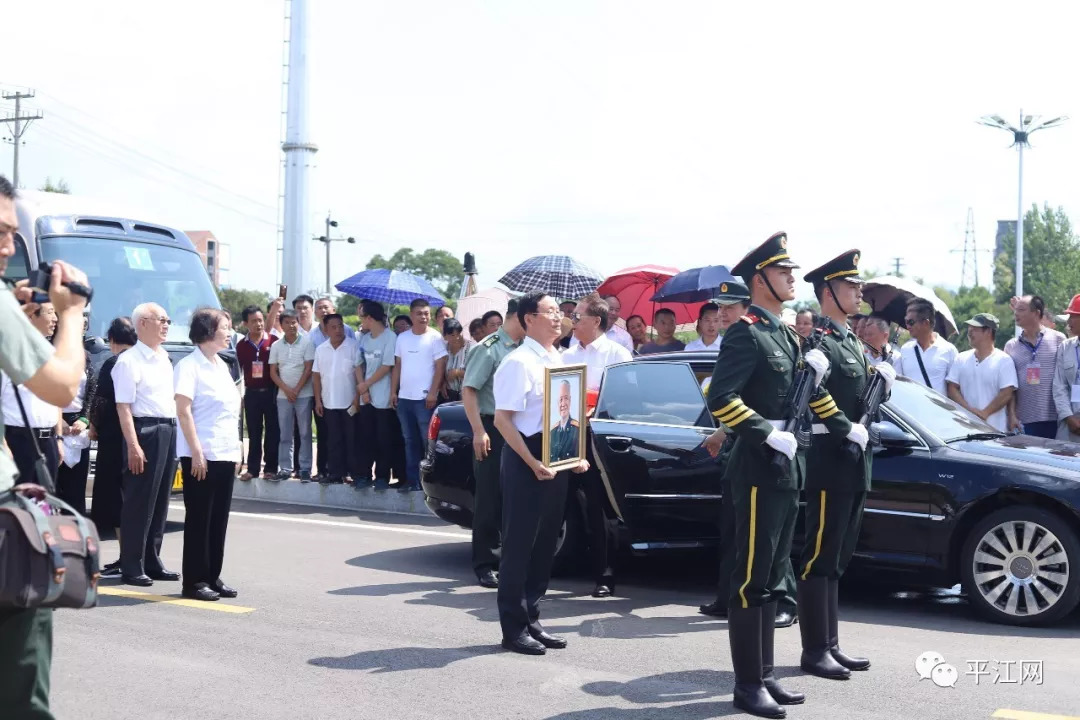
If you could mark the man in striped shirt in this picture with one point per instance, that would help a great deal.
(1033, 353)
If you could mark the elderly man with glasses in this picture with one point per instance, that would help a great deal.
(146, 406)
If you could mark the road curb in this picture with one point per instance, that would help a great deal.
(338, 496)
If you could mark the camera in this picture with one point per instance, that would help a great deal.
(40, 280)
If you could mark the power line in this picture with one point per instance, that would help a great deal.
(15, 119)
(897, 263)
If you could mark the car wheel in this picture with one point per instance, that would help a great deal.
(1020, 566)
(569, 554)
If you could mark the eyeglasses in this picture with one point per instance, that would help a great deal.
(912, 322)
(554, 314)
(163, 320)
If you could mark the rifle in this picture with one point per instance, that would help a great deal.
(873, 396)
(798, 401)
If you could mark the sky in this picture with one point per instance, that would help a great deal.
(679, 133)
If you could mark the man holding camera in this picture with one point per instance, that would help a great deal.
(52, 373)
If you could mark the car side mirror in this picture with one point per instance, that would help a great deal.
(893, 436)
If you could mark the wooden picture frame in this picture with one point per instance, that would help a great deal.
(564, 416)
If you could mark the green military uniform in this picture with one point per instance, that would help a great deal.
(564, 441)
(836, 485)
(480, 367)
(25, 635)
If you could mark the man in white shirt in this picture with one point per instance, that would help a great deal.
(146, 406)
(708, 328)
(927, 357)
(615, 331)
(336, 398)
(596, 351)
(419, 369)
(324, 308)
(1066, 385)
(291, 365)
(983, 379)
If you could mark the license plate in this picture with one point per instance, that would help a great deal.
(178, 481)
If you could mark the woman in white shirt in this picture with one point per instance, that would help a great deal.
(208, 408)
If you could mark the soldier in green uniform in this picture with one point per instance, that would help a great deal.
(52, 373)
(836, 485)
(564, 435)
(478, 396)
(754, 372)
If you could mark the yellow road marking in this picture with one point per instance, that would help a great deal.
(1025, 715)
(172, 600)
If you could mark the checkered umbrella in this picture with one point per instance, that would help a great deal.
(559, 276)
(390, 286)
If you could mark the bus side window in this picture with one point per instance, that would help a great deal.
(18, 267)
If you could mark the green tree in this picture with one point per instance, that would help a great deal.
(347, 304)
(438, 267)
(61, 186)
(968, 302)
(236, 300)
(1051, 260)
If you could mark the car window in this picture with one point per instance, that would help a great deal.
(652, 392)
(937, 413)
(18, 267)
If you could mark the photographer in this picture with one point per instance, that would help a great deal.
(52, 373)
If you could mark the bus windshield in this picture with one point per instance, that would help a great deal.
(125, 274)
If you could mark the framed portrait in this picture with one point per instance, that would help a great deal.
(564, 416)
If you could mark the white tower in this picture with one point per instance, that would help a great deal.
(299, 155)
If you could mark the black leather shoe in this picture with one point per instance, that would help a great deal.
(138, 580)
(717, 608)
(768, 634)
(817, 656)
(603, 590)
(785, 619)
(524, 645)
(165, 575)
(488, 579)
(848, 661)
(745, 638)
(223, 590)
(203, 592)
(552, 642)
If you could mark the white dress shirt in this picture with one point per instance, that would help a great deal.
(616, 334)
(937, 359)
(519, 384)
(596, 356)
(215, 405)
(143, 378)
(699, 344)
(980, 381)
(40, 413)
(336, 367)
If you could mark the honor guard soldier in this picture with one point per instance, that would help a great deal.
(754, 372)
(478, 397)
(534, 496)
(836, 484)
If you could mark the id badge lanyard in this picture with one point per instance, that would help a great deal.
(1033, 368)
(257, 364)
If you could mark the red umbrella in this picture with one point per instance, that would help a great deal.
(635, 285)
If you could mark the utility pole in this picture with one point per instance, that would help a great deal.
(18, 128)
(897, 262)
(327, 239)
(971, 253)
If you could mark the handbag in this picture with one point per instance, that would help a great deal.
(46, 560)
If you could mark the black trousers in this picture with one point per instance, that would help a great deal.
(764, 526)
(260, 409)
(833, 520)
(321, 459)
(376, 431)
(146, 497)
(487, 503)
(206, 518)
(71, 482)
(108, 469)
(21, 443)
(603, 532)
(340, 443)
(533, 512)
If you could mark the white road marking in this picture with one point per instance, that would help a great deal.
(335, 523)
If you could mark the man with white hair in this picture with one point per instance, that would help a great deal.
(146, 406)
(875, 336)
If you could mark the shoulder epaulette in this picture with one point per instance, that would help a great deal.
(489, 341)
(574, 423)
(749, 318)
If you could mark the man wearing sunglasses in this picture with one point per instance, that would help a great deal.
(926, 357)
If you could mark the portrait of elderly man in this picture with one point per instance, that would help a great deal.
(564, 434)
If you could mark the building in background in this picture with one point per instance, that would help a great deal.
(215, 256)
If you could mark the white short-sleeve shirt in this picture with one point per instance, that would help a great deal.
(519, 384)
(143, 378)
(40, 413)
(596, 356)
(699, 344)
(418, 354)
(290, 359)
(336, 368)
(215, 405)
(981, 380)
(937, 359)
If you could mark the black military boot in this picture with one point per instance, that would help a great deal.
(768, 631)
(851, 663)
(744, 634)
(814, 627)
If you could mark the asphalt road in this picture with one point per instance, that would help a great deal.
(379, 617)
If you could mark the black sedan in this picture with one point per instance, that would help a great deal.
(953, 500)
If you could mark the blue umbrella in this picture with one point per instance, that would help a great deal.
(390, 286)
(694, 285)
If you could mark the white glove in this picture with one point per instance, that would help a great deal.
(888, 372)
(817, 360)
(859, 436)
(782, 441)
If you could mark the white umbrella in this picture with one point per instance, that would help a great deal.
(473, 306)
(888, 295)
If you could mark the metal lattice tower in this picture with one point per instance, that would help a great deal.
(969, 275)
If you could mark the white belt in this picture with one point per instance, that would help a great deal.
(819, 429)
(778, 424)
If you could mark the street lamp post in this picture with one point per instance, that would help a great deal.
(327, 240)
(1028, 125)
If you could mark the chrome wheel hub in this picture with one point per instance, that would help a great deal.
(1021, 568)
